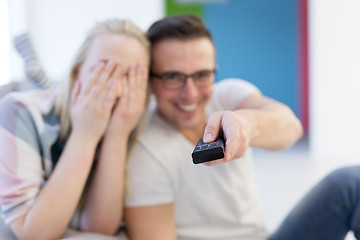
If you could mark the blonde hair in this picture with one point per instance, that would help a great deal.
(115, 26)
(62, 107)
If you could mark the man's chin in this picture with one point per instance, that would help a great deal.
(184, 122)
(188, 125)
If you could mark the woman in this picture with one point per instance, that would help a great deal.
(64, 153)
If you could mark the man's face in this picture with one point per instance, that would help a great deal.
(183, 108)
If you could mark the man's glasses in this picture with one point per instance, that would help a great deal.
(177, 80)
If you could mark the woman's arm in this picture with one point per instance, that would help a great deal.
(103, 210)
(91, 105)
(104, 202)
(56, 203)
(151, 222)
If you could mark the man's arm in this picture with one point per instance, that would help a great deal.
(151, 222)
(259, 122)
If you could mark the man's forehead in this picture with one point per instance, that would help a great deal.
(176, 49)
(175, 56)
(171, 43)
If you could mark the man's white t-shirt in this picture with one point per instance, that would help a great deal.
(218, 202)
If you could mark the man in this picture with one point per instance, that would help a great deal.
(170, 197)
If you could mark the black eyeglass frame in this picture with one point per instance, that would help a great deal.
(185, 77)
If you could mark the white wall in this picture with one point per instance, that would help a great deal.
(58, 26)
(334, 78)
(4, 44)
(16, 16)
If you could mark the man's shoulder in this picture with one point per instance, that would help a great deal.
(157, 139)
(228, 94)
(231, 83)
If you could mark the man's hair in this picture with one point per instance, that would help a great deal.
(178, 27)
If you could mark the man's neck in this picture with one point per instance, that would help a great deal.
(193, 134)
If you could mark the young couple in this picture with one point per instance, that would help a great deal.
(88, 157)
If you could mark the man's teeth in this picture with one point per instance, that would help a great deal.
(188, 108)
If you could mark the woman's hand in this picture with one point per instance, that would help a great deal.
(131, 101)
(92, 100)
(107, 184)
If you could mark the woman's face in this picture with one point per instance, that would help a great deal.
(120, 49)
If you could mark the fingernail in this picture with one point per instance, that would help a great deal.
(99, 65)
(118, 69)
(208, 137)
(103, 62)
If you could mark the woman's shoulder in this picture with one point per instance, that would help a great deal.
(42, 100)
(31, 109)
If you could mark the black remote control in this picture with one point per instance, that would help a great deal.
(205, 152)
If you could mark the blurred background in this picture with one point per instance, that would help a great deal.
(304, 53)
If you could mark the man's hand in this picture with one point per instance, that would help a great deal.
(258, 121)
(236, 131)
